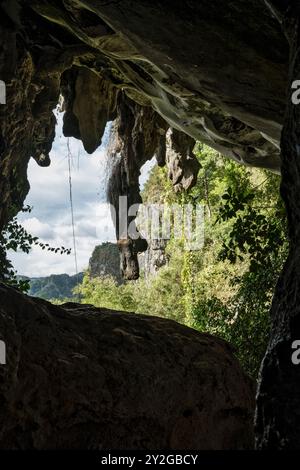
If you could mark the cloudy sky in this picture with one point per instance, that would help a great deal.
(50, 218)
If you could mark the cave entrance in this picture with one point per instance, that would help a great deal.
(50, 218)
(53, 274)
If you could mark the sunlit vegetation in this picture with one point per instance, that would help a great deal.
(226, 288)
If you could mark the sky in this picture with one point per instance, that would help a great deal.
(50, 218)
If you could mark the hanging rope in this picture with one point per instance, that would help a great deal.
(72, 208)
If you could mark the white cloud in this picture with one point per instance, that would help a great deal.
(40, 229)
(50, 218)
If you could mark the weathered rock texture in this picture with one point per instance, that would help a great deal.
(198, 68)
(203, 75)
(138, 131)
(182, 163)
(105, 261)
(216, 71)
(278, 401)
(81, 377)
(154, 258)
(88, 107)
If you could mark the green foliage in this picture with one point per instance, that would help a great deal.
(138, 296)
(105, 292)
(245, 251)
(226, 288)
(158, 188)
(55, 286)
(236, 308)
(256, 231)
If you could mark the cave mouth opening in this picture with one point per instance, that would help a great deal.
(49, 198)
(149, 84)
(67, 207)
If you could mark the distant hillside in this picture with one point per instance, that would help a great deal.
(55, 286)
(105, 261)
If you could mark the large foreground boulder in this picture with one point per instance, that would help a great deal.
(81, 377)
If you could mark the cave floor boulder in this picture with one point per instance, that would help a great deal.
(80, 377)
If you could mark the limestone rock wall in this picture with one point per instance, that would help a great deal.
(78, 377)
(228, 91)
(105, 261)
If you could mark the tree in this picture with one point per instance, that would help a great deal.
(226, 288)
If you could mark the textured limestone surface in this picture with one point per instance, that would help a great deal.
(81, 377)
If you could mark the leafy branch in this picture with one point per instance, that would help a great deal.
(254, 233)
(15, 237)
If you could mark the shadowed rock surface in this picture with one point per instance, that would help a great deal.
(220, 72)
(278, 398)
(197, 68)
(81, 377)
